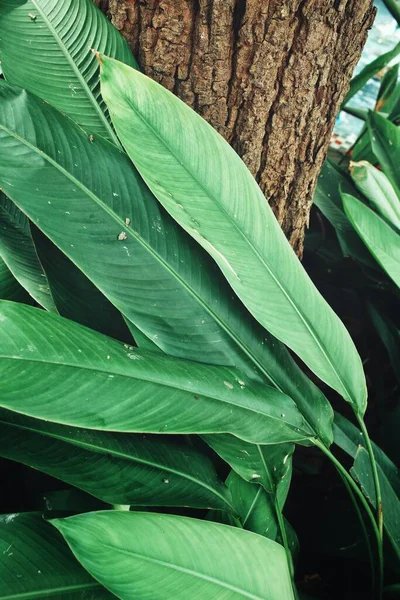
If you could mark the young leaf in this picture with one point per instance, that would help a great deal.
(116, 468)
(148, 555)
(57, 370)
(45, 48)
(83, 195)
(381, 240)
(19, 253)
(208, 190)
(377, 188)
(36, 563)
(385, 141)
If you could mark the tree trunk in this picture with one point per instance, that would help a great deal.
(269, 75)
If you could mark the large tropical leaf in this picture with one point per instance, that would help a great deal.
(208, 190)
(116, 468)
(377, 188)
(83, 196)
(36, 563)
(57, 370)
(45, 48)
(362, 471)
(19, 253)
(381, 240)
(166, 557)
(385, 140)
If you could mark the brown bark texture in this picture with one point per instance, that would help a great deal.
(269, 75)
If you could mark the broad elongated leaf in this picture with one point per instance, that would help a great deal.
(57, 370)
(385, 141)
(166, 557)
(264, 465)
(157, 277)
(393, 7)
(390, 501)
(36, 563)
(381, 240)
(117, 468)
(45, 48)
(19, 253)
(370, 70)
(208, 190)
(389, 90)
(10, 289)
(377, 188)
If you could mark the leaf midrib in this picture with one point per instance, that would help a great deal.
(151, 381)
(256, 252)
(52, 591)
(184, 570)
(77, 73)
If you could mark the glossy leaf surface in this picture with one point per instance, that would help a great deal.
(56, 370)
(381, 240)
(116, 468)
(166, 557)
(208, 190)
(36, 563)
(54, 37)
(157, 277)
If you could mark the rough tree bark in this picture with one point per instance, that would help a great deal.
(269, 75)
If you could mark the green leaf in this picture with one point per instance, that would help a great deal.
(389, 90)
(385, 140)
(393, 7)
(10, 289)
(377, 188)
(45, 48)
(349, 438)
(327, 199)
(116, 468)
(264, 465)
(381, 240)
(123, 389)
(166, 556)
(37, 564)
(19, 253)
(370, 70)
(158, 277)
(362, 472)
(208, 190)
(75, 295)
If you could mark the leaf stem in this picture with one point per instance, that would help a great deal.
(365, 504)
(375, 475)
(282, 530)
